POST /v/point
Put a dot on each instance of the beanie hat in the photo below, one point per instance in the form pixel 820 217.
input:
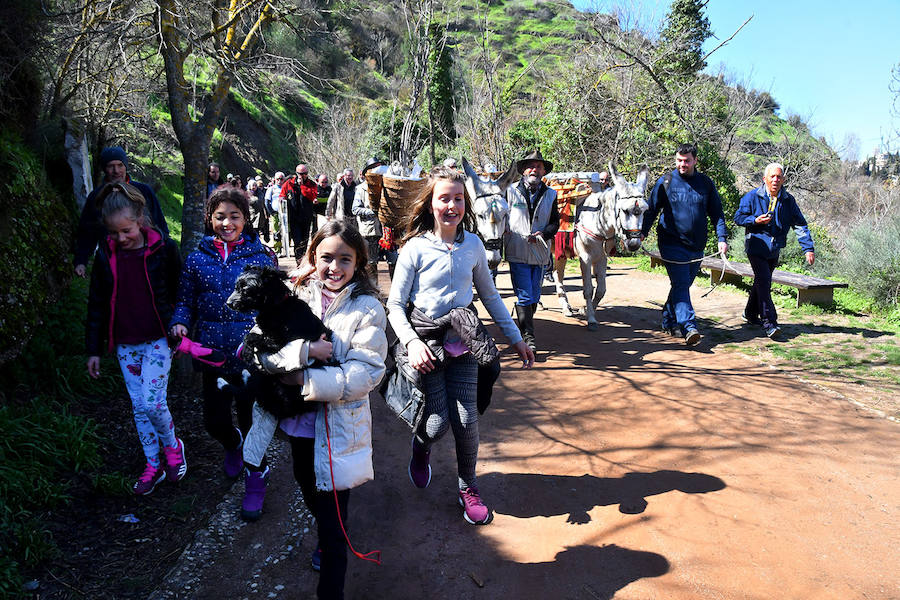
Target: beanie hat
pixel 112 153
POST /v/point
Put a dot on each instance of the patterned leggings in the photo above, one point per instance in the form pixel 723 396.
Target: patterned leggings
pixel 146 370
pixel 450 403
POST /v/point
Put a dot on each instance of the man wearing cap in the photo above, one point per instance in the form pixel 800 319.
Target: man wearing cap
pixel 684 199
pixel 299 193
pixel 91 230
pixel 533 222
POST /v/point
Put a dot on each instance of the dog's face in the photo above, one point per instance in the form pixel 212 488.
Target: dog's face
pixel 256 288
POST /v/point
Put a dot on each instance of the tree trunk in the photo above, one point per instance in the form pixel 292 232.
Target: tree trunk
pixel 196 157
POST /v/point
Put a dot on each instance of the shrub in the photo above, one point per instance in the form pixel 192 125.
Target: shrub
pixel 871 260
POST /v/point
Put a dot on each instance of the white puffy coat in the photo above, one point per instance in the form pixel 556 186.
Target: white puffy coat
pixel 360 346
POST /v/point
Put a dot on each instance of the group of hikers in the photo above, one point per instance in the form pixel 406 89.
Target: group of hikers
pixel 146 304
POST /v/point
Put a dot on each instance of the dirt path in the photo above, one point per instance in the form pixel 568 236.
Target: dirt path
pixel 624 465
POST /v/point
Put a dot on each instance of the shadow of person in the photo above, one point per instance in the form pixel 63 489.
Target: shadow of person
pixel 526 495
pixel 587 572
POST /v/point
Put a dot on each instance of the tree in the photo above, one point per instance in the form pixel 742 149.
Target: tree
pixel 441 103
pixel 682 37
pixel 225 37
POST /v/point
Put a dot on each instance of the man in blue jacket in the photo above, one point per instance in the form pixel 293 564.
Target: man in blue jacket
pixel 91 230
pixel 767 213
pixel 684 199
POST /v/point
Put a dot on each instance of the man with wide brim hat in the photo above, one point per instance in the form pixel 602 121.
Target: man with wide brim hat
pixel 533 222
pixel 534 156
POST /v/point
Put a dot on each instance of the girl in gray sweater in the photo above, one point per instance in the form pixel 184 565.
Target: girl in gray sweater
pixel 437 267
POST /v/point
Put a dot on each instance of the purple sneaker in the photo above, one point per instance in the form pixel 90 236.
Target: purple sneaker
pixel 234 459
pixel 146 483
pixel 255 483
pixel 176 463
pixel 419 469
pixel 474 510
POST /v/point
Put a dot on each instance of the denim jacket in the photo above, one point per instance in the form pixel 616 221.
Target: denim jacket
pixel 767 240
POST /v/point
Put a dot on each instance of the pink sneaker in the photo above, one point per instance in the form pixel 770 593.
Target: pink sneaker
pixel 474 510
pixel 146 483
pixel 176 464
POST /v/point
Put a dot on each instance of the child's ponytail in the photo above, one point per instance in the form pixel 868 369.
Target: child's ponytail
pixel 116 197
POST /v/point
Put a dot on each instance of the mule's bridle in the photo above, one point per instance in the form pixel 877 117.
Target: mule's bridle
pixel 493 243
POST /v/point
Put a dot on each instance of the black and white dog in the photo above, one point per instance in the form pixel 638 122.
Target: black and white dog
pixel 281 318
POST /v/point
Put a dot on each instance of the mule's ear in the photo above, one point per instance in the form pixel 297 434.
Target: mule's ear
pixel 508 178
pixel 642 177
pixel 614 173
pixel 473 182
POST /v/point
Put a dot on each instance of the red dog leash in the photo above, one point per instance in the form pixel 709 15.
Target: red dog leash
pixel 366 556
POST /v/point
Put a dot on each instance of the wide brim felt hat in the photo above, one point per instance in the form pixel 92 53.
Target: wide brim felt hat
pixel 535 155
pixel 372 162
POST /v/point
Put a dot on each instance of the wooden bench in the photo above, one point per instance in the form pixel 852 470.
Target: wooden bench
pixel 810 290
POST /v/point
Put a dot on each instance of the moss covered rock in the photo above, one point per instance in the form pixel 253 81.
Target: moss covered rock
pixel 36 229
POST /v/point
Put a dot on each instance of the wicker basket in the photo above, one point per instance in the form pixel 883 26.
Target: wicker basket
pixel 373 183
pixel 397 196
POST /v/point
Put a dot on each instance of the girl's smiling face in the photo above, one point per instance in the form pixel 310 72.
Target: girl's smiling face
pixel 335 263
pixel 228 222
pixel 125 230
pixel 448 205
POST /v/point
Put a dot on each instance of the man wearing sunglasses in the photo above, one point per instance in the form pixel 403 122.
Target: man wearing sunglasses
pixel 299 194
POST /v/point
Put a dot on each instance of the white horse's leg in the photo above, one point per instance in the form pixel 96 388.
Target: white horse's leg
pixel 588 292
pixel 600 274
pixel 559 275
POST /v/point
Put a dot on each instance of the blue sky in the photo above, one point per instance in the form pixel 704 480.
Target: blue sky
pixel 829 62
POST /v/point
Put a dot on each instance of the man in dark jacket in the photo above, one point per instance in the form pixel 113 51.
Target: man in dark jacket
pixel 91 230
pixel 767 213
pixel 299 193
pixel 684 199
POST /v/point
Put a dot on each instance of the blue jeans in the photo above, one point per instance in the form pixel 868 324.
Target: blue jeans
pixel 678 310
pixel 526 282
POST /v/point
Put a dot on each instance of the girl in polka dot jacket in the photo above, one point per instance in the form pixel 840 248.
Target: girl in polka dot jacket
pixel 206 282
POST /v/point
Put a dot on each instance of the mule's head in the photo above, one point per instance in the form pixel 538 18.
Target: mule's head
pixel 627 201
pixel 490 207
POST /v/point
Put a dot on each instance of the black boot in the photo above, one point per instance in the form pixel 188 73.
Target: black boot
pixel 524 316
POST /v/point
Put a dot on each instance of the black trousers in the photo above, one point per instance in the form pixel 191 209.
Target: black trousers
pixel 217 410
pixel 299 230
pixel 759 304
pixel 323 508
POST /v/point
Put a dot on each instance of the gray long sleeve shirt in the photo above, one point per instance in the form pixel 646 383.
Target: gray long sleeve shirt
pixel 436 279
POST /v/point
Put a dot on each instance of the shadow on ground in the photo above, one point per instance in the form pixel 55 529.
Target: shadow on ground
pixel 526 495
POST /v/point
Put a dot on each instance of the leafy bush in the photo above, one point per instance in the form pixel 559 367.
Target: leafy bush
pixel 871 260
pixel 53 361
pixel 41 442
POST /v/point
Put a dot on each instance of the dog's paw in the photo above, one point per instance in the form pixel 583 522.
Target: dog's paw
pixel 245 375
pixel 221 383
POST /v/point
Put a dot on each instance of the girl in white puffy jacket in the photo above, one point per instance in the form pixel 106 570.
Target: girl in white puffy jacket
pixel 331 446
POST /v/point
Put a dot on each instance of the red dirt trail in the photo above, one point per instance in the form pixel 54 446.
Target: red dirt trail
pixel 624 465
